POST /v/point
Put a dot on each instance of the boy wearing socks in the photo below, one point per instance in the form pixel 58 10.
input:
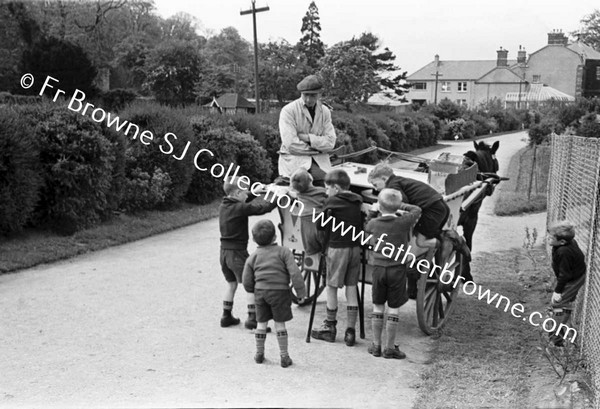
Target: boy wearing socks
pixel 343 254
pixel 389 275
pixel 233 225
pixel 267 274
pixel 312 197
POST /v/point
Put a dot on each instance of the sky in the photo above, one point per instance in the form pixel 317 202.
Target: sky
pixel 415 30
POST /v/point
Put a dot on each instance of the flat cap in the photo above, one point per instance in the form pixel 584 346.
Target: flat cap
pixel 310 84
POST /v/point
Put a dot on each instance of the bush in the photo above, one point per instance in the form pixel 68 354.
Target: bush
pixel 228 146
pixel 117 99
pixel 76 160
pixel 142 158
pixel 539 133
pixel 589 128
pixel 20 178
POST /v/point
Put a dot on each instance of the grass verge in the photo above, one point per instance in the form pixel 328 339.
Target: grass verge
pixel 526 190
pixel 33 247
pixel 485 357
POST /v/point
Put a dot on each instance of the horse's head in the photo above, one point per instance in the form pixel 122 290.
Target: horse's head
pixel 484 156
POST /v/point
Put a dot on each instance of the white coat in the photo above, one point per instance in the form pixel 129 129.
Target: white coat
pixel 294 154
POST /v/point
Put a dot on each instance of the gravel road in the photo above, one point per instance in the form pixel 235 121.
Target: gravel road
pixel 138 326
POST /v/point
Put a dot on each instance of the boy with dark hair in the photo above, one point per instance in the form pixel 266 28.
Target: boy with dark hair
pixel 389 274
pixel 233 225
pixel 343 255
pixel 434 210
pixel 313 240
pixel 267 275
pixel 568 264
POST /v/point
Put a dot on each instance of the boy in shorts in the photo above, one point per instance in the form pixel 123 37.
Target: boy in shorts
pixel 568 264
pixel 312 198
pixel 233 225
pixel 434 210
pixel 267 275
pixel 389 274
pixel 343 254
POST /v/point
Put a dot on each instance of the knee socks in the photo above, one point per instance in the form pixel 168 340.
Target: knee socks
pixel 227 307
pixel 391 327
pixel 282 340
pixel 352 311
pixel 377 326
pixel 331 314
pixel 252 311
pixel 260 335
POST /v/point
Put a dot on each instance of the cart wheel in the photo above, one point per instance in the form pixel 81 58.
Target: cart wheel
pixel 435 299
pixel 309 277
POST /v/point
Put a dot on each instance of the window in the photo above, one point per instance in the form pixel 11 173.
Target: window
pixel 537 79
pixel 598 73
pixel 462 86
pixel 420 85
pixel 461 102
pixel 446 86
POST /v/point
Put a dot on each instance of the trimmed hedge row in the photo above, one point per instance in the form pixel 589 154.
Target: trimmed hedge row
pixel 63 170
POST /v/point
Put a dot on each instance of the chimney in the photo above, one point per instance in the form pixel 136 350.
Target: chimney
pixel 437 60
pixel 502 58
pixel 521 56
pixel 557 37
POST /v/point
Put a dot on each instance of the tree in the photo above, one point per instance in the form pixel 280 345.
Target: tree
pixel 173 69
pixel 62 60
pixel 590 30
pixel 280 70
pixel 383 64
pixel 228 67
pixel 310 45
pixel 348 74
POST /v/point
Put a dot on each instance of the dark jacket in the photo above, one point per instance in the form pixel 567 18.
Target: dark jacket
pixel 272 267
pixel 233 220
pixel 398 233
pixel 568 263
pixel 414 191
pixel 343 207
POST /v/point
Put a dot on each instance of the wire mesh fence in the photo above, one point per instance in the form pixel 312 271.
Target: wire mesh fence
pixel 574 195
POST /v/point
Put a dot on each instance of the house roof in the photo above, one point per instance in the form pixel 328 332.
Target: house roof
pixel 232 100
pixel 585 50
pixel 500 75
pixel 455 70
pixel 539 93
pixel 381 99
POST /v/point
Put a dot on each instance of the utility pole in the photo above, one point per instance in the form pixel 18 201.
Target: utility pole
pixel 437 75
pixel 254 10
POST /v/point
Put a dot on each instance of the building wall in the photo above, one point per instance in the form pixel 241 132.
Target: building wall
pixel 557 67
pixel 453 94
pixel 486 92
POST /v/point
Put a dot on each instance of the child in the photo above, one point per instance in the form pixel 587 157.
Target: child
pixel 267 275
pixel 389 275
pixel 434 210
pixel 343 254
pixel 568 263
pixel 312 197
pixel 233 225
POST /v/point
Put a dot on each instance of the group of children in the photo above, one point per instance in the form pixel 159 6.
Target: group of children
pixel 403 204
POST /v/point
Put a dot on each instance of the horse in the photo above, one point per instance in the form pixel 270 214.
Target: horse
pixel 485 157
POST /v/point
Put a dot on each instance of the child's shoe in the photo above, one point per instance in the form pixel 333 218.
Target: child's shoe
pixel 227 320
pixel 393 353
pixel 326 332
pixel 375 350
pixel 285 361
pixel 251 322
pixel 350 337
pixel 259 358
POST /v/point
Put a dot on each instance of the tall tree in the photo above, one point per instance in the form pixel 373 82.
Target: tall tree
pixel 348 74
pixel 590 30
pixel 280 70
pixel 310 45
pixel 383 63
pixel 174 68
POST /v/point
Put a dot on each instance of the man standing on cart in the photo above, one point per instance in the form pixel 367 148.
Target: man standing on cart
pixel 307 133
